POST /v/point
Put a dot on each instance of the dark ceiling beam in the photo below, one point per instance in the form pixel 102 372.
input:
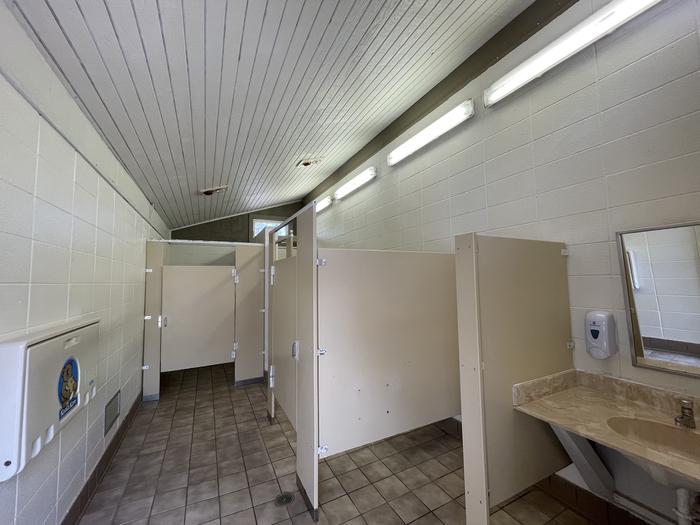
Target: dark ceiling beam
pixel 517 31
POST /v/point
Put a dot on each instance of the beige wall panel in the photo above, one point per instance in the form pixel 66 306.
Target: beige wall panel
pixel 155 252
pixel 524 315
pixel 249 316
pixel 283 322
pixel 307 369
pixel 199 304
pixel 471 385
pixel 389 322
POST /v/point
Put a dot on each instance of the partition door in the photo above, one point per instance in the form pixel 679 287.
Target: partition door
pixel 307 372
pixel 284 335
pixel 293 337
pixel 198 316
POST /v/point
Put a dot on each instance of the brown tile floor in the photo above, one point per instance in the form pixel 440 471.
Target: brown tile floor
pixel 206 454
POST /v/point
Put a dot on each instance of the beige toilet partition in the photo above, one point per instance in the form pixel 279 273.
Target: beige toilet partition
pixel 375 333
pixel 514 326
pixel 249 313
pixel 388 324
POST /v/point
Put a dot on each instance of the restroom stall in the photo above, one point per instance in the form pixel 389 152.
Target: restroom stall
pixel 514 326
pixel 386 356
pixel 203 307
pixel 293 373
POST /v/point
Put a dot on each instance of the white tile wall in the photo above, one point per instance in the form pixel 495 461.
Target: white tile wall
pixel 70 246
pixel 668 267
pixel 608 141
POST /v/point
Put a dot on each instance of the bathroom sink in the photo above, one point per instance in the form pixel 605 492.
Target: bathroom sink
pixel 660 437
pixel 665 439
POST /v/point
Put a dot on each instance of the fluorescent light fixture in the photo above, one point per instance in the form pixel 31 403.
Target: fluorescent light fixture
pixel 323 203
pixel 593 28
pixel 441 126
pixel 359 180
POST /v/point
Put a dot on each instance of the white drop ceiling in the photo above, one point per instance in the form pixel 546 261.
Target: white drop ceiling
pixel 192 93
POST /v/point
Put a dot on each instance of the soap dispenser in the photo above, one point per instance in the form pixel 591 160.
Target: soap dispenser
pixel 601 341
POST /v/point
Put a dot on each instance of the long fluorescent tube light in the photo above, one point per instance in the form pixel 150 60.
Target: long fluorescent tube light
pixel 323 203
pixel 441 126
pixel 354 183
pixel 593 28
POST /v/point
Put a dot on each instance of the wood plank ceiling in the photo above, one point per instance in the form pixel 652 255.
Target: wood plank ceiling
pixel 192 94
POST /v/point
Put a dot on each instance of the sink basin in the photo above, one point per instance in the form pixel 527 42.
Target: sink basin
pixel 668 439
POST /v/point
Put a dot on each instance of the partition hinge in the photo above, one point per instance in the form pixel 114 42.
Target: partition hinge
pixel 570 345
pixel 149 270
pixel 271 376
pixel 321 262
pixel 236 276
pixel 272 275
pixel 322 351
pixel 323 449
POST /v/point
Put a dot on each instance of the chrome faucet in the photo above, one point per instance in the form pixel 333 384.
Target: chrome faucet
pixel 687 417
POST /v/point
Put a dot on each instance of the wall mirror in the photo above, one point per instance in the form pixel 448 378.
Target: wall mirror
pixel 662 293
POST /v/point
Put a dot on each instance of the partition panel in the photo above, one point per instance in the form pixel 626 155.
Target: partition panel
pixel 198 316
pixel 525 328
pixel 284 333
pixel 388 321
pixel 249 312
pixel 307 385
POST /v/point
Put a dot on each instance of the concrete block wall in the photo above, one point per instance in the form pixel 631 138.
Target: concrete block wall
pixel 608 141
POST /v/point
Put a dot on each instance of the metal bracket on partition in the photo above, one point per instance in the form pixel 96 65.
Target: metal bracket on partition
pixel 323 449
pixel 321 262
pixel 146 317
pixel 236 276
pixel 272 275
pixel 570 345
pixel 322 351
pixel 146 367
pixel 149 270
pixel 295 350
pixel 271 376
pixel 564 252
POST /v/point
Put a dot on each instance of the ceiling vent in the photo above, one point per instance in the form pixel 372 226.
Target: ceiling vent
pixel 305 163
pixel 215 189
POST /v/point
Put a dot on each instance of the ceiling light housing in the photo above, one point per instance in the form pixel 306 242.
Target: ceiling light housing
pixel 323 203
pixel 441 126
pixel 211 191
pixel 358 180
pixel 593 28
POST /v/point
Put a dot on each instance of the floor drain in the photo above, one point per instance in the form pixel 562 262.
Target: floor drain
pixel 284 499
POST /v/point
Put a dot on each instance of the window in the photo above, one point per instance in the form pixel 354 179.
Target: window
pixel 260 224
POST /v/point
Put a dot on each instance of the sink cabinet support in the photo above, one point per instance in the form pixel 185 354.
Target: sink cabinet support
pixel 588 463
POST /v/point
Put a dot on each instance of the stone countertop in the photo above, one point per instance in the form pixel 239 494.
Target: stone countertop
pixel 585 410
